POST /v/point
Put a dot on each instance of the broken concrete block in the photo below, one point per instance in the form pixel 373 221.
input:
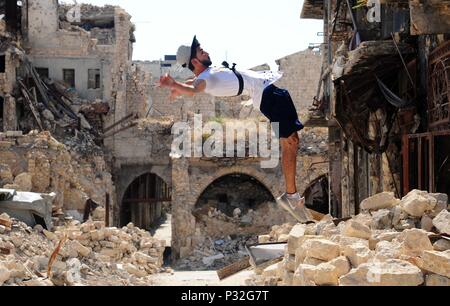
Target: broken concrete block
pixel 436 262
pixel 327 229
pixel 417 202
pixel 356 229
pixel 304 276
pixel 442 203
pixel 263 238
pixel 24 182
pixel 289 262
pixel 13 134
pixel 357 253
pixel 426 223
pixel 73 275
pixel 442 222
pixel 437 280
pixel 386 250
pixel 393 272
pixel 414 242
pixel 132 269
pixel 342 265
pixel 380 201
pixel 321 249
pixel 364 218
pixel 300 253
pixel 387 236
pixel 381 219
pixel 17 269
pixel 313 261
pixel 325 275
pixel 295 238
pixel 328 274
pixel 271 271
pixel 4 274
pixel 344 241
pixel 441 245
pixel 82 250
pixel 397 216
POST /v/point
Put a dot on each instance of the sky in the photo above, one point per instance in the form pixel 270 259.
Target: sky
pixel 246 32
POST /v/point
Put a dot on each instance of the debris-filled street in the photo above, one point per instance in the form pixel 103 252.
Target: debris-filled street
pixel 121 171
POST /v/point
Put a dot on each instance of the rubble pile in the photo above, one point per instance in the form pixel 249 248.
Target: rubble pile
pixel 58 109
pixel 392 242
pixel 91 254
pixel 216 254
pixel 314 141
pixel 37 162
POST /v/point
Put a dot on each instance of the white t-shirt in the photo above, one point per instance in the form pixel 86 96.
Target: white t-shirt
pixel 222 82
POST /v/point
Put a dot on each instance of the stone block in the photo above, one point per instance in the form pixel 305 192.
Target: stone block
pixel 442 222
pixel 356 229
pixel 380 201
pixel 392 272
pixel 436 262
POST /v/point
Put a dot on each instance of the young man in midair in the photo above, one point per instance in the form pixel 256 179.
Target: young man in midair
pixel 275 103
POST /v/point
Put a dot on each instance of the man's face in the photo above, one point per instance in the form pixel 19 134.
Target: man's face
pixel 203 57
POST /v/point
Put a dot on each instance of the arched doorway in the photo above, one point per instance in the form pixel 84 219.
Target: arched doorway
pixel 144 201
pixel 236 204
pixel 235 191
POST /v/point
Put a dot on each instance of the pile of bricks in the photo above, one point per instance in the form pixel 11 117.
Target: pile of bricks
pixel 392 242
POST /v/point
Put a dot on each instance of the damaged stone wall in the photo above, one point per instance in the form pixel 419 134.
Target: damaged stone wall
pixel 38 163
pixel 301 75
pixel 7 82
pixel 138 91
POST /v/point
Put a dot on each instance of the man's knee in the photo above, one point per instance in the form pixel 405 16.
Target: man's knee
pixel 292 142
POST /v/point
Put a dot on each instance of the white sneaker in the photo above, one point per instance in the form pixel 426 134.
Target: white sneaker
pixel 299 212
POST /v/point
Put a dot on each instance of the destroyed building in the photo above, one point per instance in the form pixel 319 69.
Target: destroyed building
pixel 83 120
pixel 384 96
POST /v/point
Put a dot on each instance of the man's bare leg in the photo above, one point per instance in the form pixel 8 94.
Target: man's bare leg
pixel 289 149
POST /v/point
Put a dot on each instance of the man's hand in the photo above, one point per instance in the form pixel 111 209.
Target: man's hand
pixel 166 81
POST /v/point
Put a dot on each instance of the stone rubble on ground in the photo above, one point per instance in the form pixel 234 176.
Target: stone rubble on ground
pixel 92 255
pixel 392 242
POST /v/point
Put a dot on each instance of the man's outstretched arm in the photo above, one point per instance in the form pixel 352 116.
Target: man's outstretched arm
pixel 182 88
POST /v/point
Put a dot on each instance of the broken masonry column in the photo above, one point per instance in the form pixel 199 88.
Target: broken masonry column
pixel 183 222
pixel 9 114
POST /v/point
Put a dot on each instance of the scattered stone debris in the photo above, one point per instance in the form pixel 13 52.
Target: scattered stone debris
pixel 216 254
pixel 92 255
pixel 385 245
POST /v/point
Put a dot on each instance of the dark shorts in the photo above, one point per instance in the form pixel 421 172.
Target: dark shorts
pixel 277 106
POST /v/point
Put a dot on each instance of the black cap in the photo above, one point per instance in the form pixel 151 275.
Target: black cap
pixel 194 46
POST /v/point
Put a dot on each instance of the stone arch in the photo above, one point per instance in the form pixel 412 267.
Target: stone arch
pixel 235 188
pixel 142 200
pixel 261 177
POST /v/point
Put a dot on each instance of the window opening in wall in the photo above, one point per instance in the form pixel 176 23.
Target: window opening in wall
pixel 93 78
pixel 69 77
pixel 2 63
pixel 43 72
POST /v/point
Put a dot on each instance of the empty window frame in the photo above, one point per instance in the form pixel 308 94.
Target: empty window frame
pixel 69 77
pixel 43 72
pixel 94 79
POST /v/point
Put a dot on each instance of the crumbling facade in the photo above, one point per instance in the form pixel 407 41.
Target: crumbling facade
pixel 77 81
pixel 385 97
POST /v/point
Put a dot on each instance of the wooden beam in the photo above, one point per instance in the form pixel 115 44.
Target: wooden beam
pixel 234 268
